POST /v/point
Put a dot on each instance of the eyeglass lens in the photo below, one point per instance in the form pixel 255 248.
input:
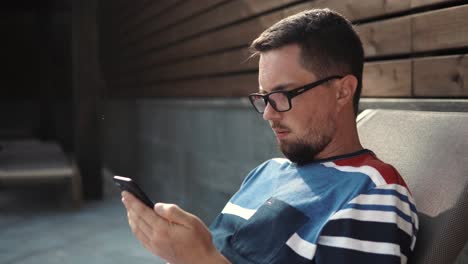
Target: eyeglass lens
pixel 258 103
pixel 278 101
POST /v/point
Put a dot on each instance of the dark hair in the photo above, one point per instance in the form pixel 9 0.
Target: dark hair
pixel 329 44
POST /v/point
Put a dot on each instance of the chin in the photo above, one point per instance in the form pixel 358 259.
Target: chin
pixel 302 153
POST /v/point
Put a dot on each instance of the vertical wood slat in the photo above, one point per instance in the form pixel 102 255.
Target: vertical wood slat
pixel 87 84
pixel 445 76
pixel 441 29
pixel 436 30
pixel 389 79
pixel 392 36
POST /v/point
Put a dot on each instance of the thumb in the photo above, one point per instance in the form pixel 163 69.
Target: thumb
pixel 173 213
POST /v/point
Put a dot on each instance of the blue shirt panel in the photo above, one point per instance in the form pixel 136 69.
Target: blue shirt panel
pixel 314 189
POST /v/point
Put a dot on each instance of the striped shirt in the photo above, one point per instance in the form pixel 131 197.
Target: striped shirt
pixel 348 209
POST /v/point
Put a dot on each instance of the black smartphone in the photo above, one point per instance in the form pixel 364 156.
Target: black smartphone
pixel 127 184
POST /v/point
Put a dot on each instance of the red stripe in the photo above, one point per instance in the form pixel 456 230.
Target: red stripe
pixel 388 172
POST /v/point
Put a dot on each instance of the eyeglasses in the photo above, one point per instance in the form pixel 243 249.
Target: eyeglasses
pixel 281 100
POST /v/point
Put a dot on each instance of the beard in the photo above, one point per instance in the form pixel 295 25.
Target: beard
pixel 301 152
pixel 304 150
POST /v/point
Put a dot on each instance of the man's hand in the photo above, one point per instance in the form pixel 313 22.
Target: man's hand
pixel 171 233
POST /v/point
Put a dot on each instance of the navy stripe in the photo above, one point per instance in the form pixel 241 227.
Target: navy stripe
pixel 402 197
pixel 386 208
pixel 326 254
pixel 369 231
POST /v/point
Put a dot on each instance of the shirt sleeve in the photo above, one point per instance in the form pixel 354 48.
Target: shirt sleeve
pixel 379 226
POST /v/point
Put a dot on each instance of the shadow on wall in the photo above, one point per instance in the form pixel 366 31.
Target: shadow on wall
pixel 191 152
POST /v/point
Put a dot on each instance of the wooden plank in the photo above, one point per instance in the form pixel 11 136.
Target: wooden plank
pixel 243 33
pixel 357 9
pixel 222 15
pixel 445 76
pixel 228 86
pixel 152 20
pixel 389 37
pixel 131 9
pixel 441 29
pixel 221 63
pixel 235 36
pixel 387 79
pixel 153 9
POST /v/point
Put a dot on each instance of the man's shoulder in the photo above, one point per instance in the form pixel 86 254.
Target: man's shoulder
pixel 273 164
pixel 380 172
pixel 265 168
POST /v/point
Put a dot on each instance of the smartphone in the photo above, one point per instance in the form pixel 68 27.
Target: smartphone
pixel 127 184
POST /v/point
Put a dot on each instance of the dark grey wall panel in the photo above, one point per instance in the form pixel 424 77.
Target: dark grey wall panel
pixel 191 152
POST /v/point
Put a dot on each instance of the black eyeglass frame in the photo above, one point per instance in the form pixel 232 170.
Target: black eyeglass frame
pixel 289 94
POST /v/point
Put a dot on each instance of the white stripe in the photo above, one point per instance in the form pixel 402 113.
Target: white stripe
pixel 413 242
pixel 403 259
pixel 397 187
pixel 280 160
pixel 374 216
pixel 374 174
pixel 234 209
pixel 360 245
pixel 382 199
pixel 302 247
pixel 403 191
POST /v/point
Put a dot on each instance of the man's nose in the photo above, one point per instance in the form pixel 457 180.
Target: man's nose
pixel 270 113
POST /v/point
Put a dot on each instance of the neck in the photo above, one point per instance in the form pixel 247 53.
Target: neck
pixel 345 140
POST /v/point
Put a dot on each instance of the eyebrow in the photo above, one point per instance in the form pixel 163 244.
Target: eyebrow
pixel 280 87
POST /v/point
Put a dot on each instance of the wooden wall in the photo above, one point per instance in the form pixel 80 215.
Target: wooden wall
pixel 198 48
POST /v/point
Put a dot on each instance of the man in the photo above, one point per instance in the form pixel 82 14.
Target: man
pixel 330 201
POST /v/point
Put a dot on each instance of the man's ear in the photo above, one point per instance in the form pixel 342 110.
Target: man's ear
pixel 346 89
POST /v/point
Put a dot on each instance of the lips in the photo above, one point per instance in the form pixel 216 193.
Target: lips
pixel 280 133
pixel 280 130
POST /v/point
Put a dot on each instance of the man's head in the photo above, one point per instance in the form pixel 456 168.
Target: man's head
pixel 299 50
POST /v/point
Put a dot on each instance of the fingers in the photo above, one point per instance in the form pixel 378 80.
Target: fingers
pixel 145 239
pixel 140 235
pixel 141 220
pixel 139 215
pixel 140 209
pixel 174 214
pixel 138 223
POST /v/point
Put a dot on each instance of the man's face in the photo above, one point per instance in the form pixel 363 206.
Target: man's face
pixel 306 129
